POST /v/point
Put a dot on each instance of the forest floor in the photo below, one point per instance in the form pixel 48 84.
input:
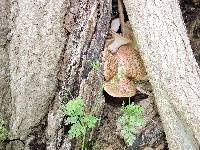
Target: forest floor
pixel 151 135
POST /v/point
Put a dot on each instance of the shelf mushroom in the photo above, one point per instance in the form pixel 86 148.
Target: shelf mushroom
pixel 122 65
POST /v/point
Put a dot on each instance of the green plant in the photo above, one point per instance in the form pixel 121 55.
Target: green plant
pixel 94 145
pixel 117 78
pixel 95 65
pixel 80 121
pixel 3 130
pixel 131 117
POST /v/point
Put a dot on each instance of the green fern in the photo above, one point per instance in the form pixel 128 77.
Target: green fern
pixel 131 117
pixel 76 117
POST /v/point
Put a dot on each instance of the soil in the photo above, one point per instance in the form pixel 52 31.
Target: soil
pixel 151 135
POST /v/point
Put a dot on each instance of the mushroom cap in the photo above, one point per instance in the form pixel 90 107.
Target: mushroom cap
pixel 123 87
pixel 131 61
pixel 110 65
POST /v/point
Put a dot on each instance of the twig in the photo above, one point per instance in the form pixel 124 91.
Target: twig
pixel 121 15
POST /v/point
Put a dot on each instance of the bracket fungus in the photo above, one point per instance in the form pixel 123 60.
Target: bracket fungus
pixel 122 65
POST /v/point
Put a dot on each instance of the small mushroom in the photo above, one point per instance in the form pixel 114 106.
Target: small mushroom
pixel 120 88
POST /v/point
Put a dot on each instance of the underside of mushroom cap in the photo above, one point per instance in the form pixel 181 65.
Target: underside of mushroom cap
pixel 120 87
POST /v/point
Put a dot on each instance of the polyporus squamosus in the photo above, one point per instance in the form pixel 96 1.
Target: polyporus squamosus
pixel 122 65
pixel 120 88
pixel 130 59
pixel 110 65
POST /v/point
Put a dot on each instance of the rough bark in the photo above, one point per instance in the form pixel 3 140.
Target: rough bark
pixel 49 63
pixel 86 24
pixel 37 39
pixel 4 60
pixel 5 97
pixel 32 38
pixel 171 67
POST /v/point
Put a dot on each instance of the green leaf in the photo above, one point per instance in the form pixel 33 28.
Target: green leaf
pixel 123 119
pixel 128 134
pixel 131 117
pixel 3 133
pixel 71 120
pixel 76 130
pixel 74 107
pixel 90 120
pixel 95 65
pixel 77 118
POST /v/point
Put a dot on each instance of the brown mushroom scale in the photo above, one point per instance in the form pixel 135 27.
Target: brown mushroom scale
pixel 133 64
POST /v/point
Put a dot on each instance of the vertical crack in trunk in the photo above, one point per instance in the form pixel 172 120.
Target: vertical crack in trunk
pixel 85 42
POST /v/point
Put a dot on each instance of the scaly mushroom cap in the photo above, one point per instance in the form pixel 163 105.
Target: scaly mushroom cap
pixel 132 62
pixel 120 88
pixel 110 65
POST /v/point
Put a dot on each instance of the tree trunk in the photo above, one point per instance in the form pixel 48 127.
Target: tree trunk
pixel 5 97
pixel 171 68
pixel 45 62
pixel 48 61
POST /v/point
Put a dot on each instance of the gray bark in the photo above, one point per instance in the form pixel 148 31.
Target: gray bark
pixel 44 60
pixel 84 45
pixel 5 97
pixel 37 39
pixel 171 68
